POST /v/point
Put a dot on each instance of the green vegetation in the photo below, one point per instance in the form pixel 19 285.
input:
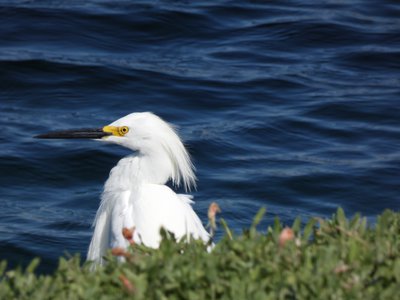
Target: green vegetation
pixel 324 259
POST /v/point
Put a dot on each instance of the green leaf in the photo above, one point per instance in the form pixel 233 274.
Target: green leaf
pixel 308 229
pixel 257 219
pixel 33 265
pixel 296 225
pixel 341 218
pixel 226 228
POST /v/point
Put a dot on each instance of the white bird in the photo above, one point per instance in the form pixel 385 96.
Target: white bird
pixel 135 194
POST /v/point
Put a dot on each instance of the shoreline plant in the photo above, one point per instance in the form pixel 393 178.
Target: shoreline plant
pixel 335 258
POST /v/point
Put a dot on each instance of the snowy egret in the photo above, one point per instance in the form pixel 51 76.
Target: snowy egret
pixel 135 194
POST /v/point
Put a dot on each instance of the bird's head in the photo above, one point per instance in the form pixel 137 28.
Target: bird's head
pixel 146 133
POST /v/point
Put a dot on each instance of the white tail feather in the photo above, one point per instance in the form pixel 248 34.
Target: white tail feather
pixel 101 236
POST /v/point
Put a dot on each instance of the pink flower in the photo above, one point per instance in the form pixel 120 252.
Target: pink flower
pixel 286 235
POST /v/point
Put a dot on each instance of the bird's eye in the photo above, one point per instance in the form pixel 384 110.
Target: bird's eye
pixel 123 130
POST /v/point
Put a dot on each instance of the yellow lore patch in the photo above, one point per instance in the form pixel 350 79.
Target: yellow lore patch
pixel 117 131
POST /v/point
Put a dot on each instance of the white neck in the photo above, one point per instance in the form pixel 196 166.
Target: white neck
pixel 154 168
pixel 134 170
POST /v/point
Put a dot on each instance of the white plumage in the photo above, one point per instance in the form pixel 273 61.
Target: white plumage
pixel 135 194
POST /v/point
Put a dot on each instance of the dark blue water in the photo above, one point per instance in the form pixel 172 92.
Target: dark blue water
pixel 291 105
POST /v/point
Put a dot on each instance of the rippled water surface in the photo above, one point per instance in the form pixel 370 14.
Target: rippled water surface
pixel 291 105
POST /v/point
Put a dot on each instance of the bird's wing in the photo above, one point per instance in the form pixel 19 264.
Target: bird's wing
pixel 158 206
pixel 113 214
pixel 194 226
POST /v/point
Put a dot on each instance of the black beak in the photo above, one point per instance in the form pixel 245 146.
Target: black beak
pixel 75 134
